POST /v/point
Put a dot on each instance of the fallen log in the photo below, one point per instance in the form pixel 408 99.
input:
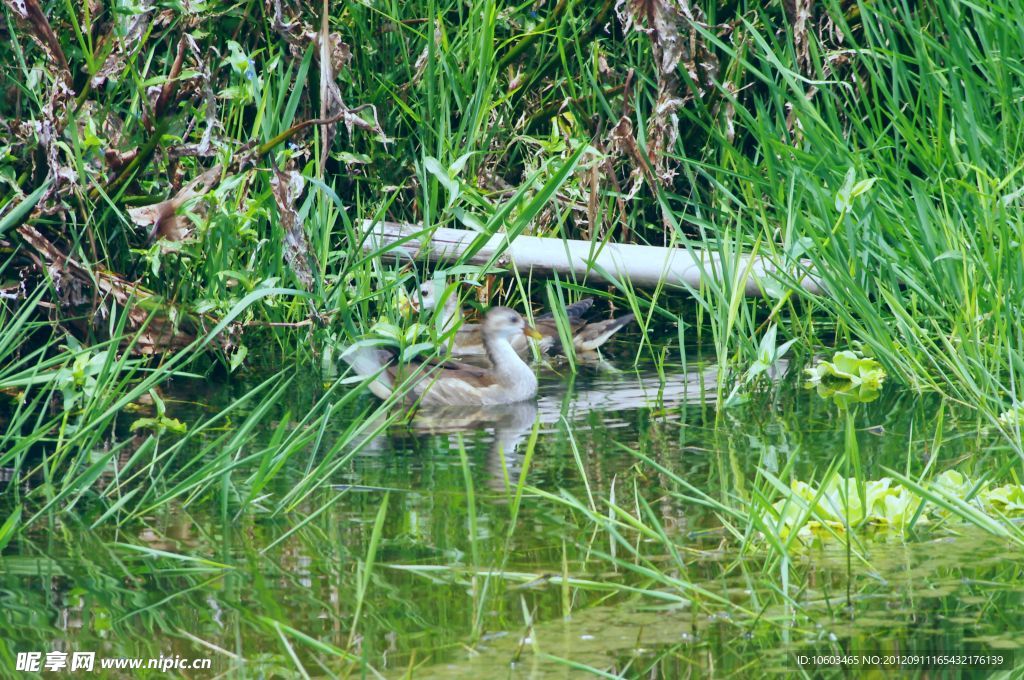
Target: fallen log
pixel 643 266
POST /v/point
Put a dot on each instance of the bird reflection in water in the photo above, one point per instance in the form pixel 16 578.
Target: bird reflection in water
pixel 509 425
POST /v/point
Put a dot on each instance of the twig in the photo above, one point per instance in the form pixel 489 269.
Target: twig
pixel 141 159
pixel 265 148
pixel 171 86
pixel 565 103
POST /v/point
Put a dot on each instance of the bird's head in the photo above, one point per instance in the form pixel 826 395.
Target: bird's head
pixel 506 323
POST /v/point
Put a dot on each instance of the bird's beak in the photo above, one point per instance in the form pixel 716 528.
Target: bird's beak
pixel 532 332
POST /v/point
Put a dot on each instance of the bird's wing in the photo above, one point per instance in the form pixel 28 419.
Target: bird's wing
pixel 449 389
pixel 549 329
pixel 594 335
pixel 468 340
pixel 367 361
pixel 574 311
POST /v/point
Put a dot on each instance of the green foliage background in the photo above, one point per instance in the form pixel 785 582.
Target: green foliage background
pixel 465 112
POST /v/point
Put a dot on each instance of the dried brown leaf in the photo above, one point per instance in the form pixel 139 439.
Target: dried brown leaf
pixel 339 51
pixel 287 187
pixel 671 27
pixel 163 217
pixel 726 111
pixel 171 84
pixel 204 79
pixel 622 138
pixel 331 103
pixel 48 131
pixel 30 14
pixel 158 328
pixel 50 126
pixel 127 39
pixel 332 56
pixel 799 12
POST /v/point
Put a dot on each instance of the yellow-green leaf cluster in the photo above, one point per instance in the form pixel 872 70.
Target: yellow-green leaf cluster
pixel 828 510
pixel 849 378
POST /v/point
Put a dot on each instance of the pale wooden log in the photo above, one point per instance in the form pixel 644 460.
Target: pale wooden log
pixel 643 266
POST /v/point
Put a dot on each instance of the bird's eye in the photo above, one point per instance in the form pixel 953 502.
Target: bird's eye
pixel 425 293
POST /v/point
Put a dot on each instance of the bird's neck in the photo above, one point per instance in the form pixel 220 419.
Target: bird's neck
pixel 509 368
pixel 449 321
pixel 452 315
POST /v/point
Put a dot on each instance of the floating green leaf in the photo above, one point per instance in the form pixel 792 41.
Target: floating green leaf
pixel 849 378
pixel 826 511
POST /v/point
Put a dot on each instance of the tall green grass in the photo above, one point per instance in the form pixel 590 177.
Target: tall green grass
pixel 497 117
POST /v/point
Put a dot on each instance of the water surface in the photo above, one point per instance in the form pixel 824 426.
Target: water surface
pixel 475 574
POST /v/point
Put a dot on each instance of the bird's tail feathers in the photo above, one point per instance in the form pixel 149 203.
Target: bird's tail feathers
pixel 596 334
pixel 574 312
pixel 369 361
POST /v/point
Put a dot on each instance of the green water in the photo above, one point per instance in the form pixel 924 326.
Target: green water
pixel 468 578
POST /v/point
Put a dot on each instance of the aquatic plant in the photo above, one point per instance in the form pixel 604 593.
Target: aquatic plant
pixel 849 378
pixel 827 510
